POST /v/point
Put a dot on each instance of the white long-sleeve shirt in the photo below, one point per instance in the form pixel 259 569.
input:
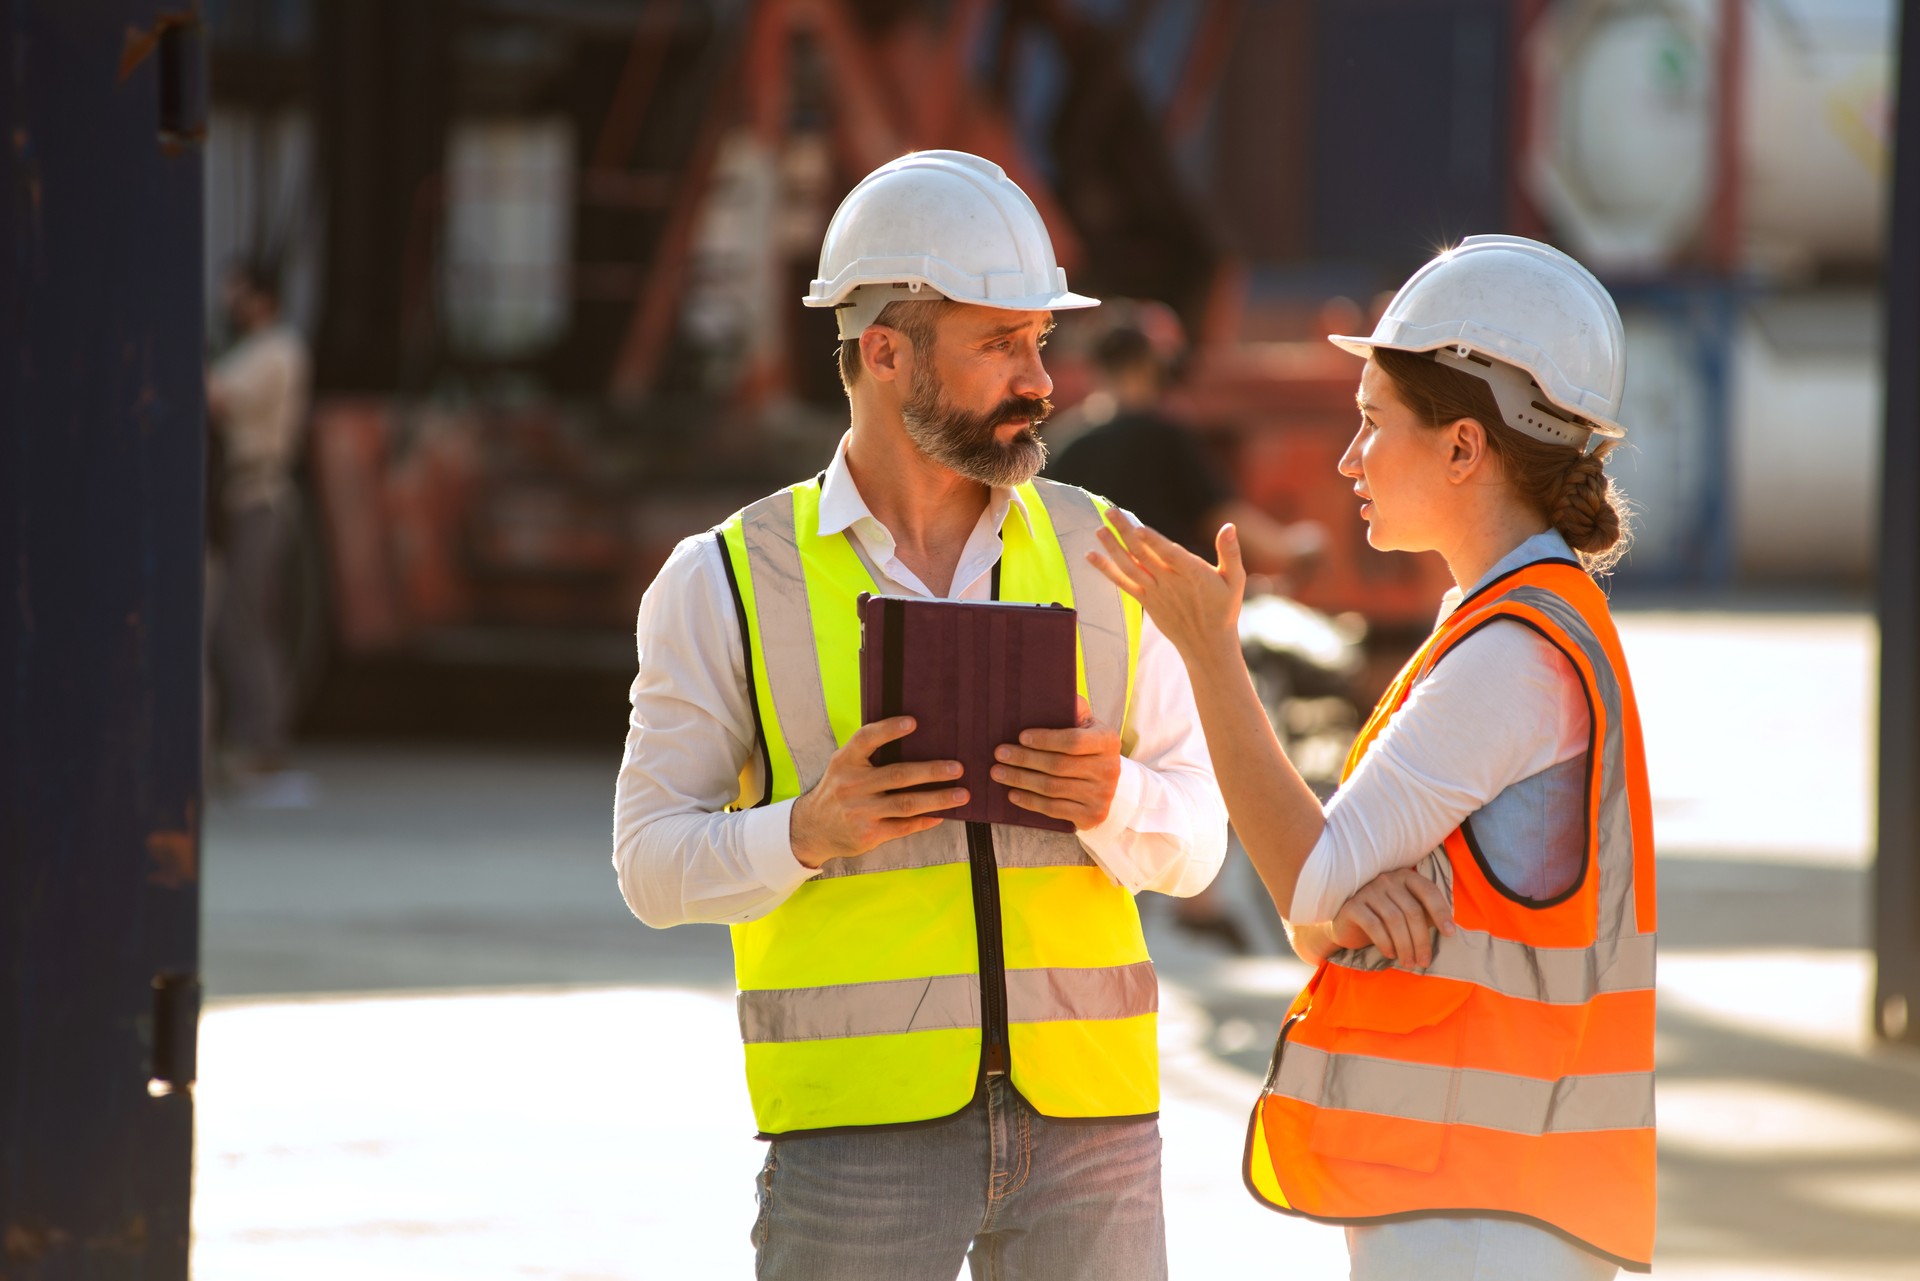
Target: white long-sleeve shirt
pixel 681 859
pixel 262 383
pixel 1503 706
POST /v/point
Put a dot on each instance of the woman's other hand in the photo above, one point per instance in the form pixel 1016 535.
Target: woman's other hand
pixel 1195 605
pixel 1397 912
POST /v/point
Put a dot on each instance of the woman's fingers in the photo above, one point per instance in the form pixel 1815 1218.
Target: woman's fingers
pixel 1372 926
pixel 1149 545
pixel 1114 574
pixel 1398 912
pixel 1419 928
pixel 1407 940
pixel 1124 555
pixel 1434 900
pixel 1226 546
pixel 1421 907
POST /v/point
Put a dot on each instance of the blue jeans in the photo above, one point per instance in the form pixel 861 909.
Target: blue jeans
pixel 1458 1248
pixel 999 1186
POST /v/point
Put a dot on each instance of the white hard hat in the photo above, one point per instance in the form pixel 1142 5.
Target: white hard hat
pixel 1526 319
pixel 940 220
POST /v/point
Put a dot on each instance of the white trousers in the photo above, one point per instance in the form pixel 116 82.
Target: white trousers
pixel 1465 1249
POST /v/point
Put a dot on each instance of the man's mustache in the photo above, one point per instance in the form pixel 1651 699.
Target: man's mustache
pixel 1032 409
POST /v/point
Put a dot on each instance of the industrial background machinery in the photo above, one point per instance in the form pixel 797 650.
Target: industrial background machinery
pixel 551 254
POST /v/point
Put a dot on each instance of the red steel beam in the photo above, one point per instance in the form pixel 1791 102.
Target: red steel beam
pixel 1212 42
pixel 651 327
pixel 620 131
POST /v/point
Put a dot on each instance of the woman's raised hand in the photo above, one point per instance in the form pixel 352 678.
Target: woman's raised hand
pixel 1196 605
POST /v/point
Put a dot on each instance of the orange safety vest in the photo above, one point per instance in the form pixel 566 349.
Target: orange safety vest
pixel 1515 1075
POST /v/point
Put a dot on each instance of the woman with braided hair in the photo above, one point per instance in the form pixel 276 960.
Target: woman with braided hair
pixel 1466 1084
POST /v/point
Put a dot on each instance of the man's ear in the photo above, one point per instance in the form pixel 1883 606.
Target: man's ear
pixel 884 351
pixel 1467 451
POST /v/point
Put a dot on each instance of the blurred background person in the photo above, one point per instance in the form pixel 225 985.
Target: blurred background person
pixel 1128 448
pixel 1132 451
pixel 257 402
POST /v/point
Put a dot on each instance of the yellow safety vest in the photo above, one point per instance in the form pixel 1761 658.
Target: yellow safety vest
pixel 886 987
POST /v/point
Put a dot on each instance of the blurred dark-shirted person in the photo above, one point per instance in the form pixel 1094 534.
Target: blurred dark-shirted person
pixel 257 399
pixel 1146 462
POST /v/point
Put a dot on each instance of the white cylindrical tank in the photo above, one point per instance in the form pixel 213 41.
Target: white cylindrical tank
pixel 1753 435
pixel 1806 422
pixel 1621 151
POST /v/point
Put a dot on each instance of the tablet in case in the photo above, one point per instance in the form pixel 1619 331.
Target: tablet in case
pixel 972 674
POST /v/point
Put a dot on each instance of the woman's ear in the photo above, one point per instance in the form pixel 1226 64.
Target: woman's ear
pixel 882 348
pixel 1467 452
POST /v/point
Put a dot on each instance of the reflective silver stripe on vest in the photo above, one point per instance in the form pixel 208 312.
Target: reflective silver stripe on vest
pixel 1466 1096
pixel 1102 615
pixel 1615 818
pixel 947 1001
pixel 780 604
pixel 1055 994
pixel 1550 975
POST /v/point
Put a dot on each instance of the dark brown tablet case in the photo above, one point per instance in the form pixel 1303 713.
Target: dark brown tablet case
pixel 973 674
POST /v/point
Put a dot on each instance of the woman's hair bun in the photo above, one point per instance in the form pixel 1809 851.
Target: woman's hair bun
pixel 1587 511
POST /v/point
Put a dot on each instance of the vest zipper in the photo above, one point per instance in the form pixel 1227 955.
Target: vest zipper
pixel 993 963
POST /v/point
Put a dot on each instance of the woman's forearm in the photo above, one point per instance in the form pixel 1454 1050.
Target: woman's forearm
pixel 1195 604
pixel 1275 813
pixel 1312 942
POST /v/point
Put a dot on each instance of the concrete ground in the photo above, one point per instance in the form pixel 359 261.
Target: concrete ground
pixel 437 1046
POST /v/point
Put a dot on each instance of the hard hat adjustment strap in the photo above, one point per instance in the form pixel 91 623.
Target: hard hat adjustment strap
pixel 864 305
pixel 1523 405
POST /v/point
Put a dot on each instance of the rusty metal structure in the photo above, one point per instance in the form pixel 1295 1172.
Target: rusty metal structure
pixel 100 567
pixel 474 492
pixel 556 512
pixel 551 253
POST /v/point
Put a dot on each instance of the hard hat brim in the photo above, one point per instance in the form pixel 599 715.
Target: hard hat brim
pixel 863 305
pixel 1363 348
pixel 836 293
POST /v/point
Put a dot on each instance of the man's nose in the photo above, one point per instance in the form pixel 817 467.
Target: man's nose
pixel 1031 378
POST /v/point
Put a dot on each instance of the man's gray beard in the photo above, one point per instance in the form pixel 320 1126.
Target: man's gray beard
pixel 965 443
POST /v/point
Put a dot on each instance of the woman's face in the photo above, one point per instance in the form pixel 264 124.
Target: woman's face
pixel 1399 469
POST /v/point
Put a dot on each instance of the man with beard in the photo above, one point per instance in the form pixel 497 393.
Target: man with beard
pixel 949 1028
